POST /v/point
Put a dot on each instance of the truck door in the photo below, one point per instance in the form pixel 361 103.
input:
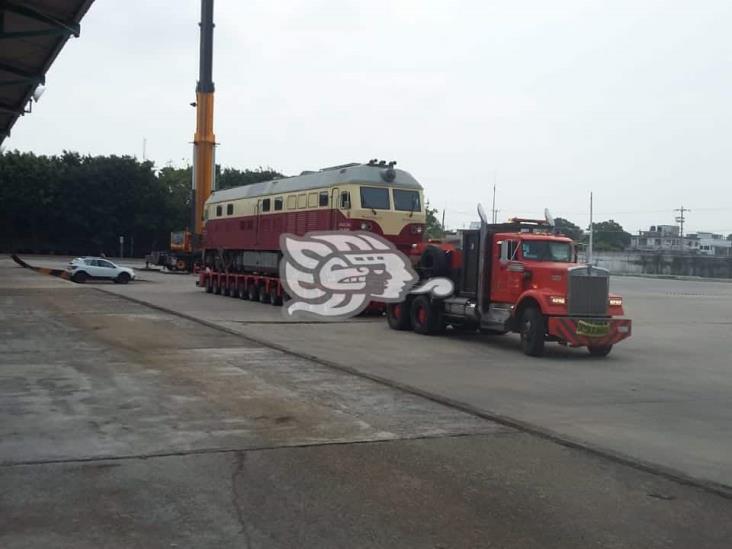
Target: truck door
pixel 507 274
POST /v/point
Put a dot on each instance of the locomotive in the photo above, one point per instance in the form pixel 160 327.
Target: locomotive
pixel 243 224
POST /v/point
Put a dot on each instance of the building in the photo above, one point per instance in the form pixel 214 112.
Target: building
pixel 668 238
pixel 707 243
pixel 658 237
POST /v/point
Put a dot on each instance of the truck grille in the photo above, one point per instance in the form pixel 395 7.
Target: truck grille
pixel 588 291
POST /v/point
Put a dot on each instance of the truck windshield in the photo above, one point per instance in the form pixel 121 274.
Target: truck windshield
pixel 546 250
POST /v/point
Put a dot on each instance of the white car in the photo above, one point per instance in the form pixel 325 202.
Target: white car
pixel 82 269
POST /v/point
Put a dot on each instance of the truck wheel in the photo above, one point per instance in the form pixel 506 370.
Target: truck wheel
pixel 274 298
pixel 252 291
pixel 397 315
pixel 426 317
pixel 80 277
pixel 209 284
pixel 263 294
pixel 216 286
pixel 241 291
pixel 533 330
pixel 600 351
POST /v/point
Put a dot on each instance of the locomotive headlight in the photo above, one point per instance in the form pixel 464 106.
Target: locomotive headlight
pixel 616 301
pixel 557 300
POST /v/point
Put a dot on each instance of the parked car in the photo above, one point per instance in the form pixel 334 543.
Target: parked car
pixel 82 269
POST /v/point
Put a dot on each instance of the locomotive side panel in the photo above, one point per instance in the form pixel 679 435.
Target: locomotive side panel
pixel 243 225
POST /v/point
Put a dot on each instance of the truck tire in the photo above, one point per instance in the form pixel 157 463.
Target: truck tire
pixel 426 316
pixel 241 291
pixel 600 351
pixel 533 331
pixel 252 291
pixel 398 315
pixel 263 294
pixel 209 284
pixel 216 286
pixel 434 262
pixel 274 298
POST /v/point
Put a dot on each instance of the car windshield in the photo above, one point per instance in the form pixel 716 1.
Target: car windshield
pixel 406 201
pixel 546 250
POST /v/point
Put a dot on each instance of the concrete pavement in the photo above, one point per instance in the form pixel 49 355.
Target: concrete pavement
pixel 124 426
pixel 662 398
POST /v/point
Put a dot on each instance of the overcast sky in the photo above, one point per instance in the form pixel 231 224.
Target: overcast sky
pixel 551 100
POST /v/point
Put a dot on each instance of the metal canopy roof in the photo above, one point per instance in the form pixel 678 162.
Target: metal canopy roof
pixel 32 33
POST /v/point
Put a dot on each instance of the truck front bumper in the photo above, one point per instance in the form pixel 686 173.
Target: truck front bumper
pixel 588 332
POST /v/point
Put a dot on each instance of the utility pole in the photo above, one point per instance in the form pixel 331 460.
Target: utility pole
pixel 680 220
pixel 493 209
pixel 443 219
pixel 589 248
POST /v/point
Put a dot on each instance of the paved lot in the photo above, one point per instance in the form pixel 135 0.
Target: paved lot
pixel 125 426
pixel 663 397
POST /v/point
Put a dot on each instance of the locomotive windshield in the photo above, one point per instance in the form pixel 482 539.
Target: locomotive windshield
pixel 375 197
pixel 406 201
pixel 546 250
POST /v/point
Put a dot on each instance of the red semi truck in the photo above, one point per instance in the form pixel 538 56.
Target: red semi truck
pixel 520 276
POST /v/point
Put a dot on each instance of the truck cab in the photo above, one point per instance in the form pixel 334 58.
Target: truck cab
pixel 522 277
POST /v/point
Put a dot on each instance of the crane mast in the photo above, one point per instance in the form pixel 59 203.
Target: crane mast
pixel 204 141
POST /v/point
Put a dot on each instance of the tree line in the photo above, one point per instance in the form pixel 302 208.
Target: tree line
pixel 73 204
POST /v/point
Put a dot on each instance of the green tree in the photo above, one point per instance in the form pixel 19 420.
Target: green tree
pixel 231 177
pixel 434 228
pixel 609 236
pixel 729 236
pixel 568 228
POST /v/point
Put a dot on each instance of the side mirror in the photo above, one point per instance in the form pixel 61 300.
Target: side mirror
pixel 504 250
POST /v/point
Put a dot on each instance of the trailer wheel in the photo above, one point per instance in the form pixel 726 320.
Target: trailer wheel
pixel 216 286
pixel 426 316
pixel 398 315
pixel 263 294
pixel 533 331
pixel 274 298
pixel 600 351
pixel 252 291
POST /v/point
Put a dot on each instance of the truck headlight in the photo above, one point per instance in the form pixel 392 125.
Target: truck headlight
pixel 616 301
pixel 366 226
pixel 557 300
pixel 417 229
